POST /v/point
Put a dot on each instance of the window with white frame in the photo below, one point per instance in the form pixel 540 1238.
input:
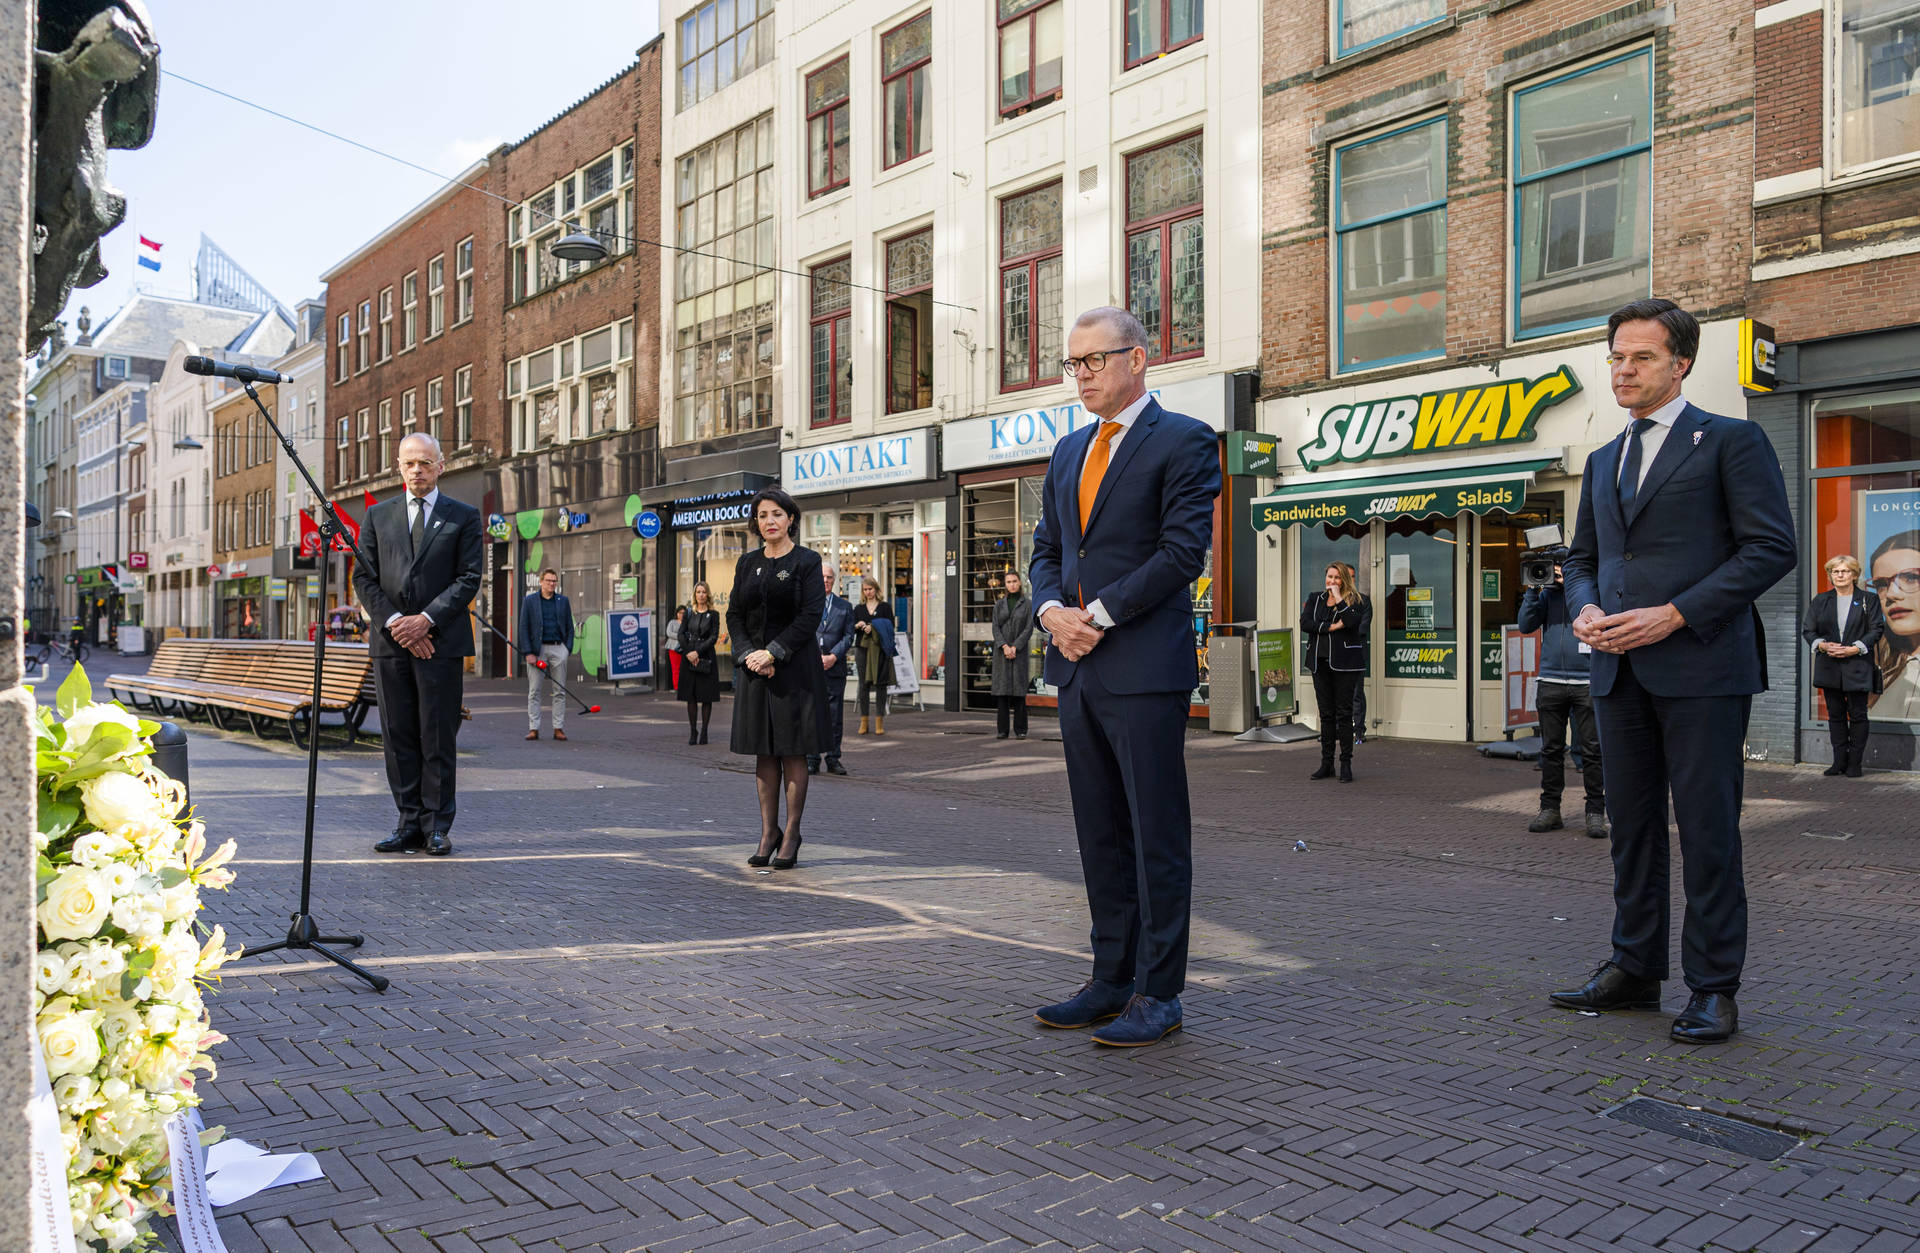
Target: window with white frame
pixel 596 198
pixel 1582 195
pixel 1876 67
pixel 1390 246
pixel 829 138
pixel 409 310
pixel 435 398
pixel 363 431
pixel 724 298
pixel 463 280
pixel 386 323
pixel 576 389
pixel 363 337
pixel 1359 24
pixel 463 406
pixel 1032 39
pixel 906 71
pixel 384 457
pixel 1157 27
pixel 409 412
pixel 343 350
pixel 721 42
pixel 1166 247
pixel 436 295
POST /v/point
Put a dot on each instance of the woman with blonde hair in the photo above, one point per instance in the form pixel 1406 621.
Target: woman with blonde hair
pixel 873 652
pixel 1843 624
pixel 1333 645
pixel 699 681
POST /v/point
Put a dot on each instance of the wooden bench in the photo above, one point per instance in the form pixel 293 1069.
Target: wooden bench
pixel 267 682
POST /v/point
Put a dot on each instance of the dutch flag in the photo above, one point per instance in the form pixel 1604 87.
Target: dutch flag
pixel 149 255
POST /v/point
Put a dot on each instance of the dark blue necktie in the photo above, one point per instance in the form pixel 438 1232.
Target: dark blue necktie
pixel 1630 466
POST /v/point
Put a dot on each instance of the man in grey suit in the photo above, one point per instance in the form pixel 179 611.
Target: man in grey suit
pixel 420 569
pixel 835 638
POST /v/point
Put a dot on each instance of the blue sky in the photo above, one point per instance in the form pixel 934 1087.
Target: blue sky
pixel 439 82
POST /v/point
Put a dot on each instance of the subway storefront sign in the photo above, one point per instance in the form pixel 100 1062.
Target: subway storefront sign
pixel 1450 420
pixel 1410 496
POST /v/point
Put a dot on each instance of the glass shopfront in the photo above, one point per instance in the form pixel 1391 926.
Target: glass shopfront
pixel 710 534
pixel 903 547
pixel 242 609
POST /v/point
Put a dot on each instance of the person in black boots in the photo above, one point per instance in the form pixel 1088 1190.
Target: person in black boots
pixel 1012 666
pixel 780 687
pixel 699 671
pixel 1565 696
pixel 1843 624
pixel 1333 634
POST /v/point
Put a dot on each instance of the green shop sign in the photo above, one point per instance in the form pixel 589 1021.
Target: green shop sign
pixel 1421 659
pixel 1504 487
pixel 1456 418
pixel 1273 655
pixel 1253 456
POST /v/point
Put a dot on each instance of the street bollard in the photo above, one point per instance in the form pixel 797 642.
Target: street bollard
pixel 170 754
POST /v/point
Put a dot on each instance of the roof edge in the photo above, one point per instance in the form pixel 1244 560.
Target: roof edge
pixel 458 183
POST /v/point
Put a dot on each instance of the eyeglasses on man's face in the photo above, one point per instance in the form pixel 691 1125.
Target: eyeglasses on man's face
pixel 1094 361
pixel 1638 360
pixel 1907 581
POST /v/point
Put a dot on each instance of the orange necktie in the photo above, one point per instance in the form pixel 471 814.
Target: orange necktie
pixel 1095 470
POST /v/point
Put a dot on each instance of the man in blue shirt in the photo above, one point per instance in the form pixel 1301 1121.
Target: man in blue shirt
pixel 546 634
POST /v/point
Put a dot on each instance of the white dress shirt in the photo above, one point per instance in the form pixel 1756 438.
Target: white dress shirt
pixel 1653 438
pixel 1126 418
pixel 425 504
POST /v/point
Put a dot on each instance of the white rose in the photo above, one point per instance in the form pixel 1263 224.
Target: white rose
pixel 77 903
pixel 71 1043
pixel 115 800
pixel 50 972
pixel 104 962
pixel 82 723
pixel 117 1027
pixel 73 1090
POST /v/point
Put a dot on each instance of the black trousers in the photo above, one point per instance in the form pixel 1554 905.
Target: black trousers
pixel 836 717
pixel 1689 746
pixel 1010 709
pixel 878 693
pixel 419 720
pixel 1559 703
pixel 1847 725
pixel 1127 773
pixel 1333 690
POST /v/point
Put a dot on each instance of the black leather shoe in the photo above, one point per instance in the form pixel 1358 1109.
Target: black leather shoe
pixel 1095 1002
pixel 1837 769
pixel 1709 1018
pixel 1324 772
pixel 401 841
pixel 813 765
pixel 1346 772
pixel 1611 988
pixel 834 766
pixel 439 844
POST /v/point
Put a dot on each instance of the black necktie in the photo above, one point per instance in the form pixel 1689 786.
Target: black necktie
pixel 1630 466
pixel 418 530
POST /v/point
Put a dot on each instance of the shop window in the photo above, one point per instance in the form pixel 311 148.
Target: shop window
pixel 1877 71
pixel 1390 246
pixel 709 555
pixel 1418 617
pixel 1362 23
pixel 1032 52
pixel 724 211
pixel 1866 504
pixel 828 138
pixel 1030 287
pixel 1502 539
pixel 910 322
pixel 1165 247
pixel 830 344
pixel 1582 195
pixel 1157 27
pixel 906 65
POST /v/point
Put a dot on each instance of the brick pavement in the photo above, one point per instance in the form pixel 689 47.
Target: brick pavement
pixel 607 1033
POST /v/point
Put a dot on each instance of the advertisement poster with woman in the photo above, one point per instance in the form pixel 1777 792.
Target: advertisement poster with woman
pixel 1890 548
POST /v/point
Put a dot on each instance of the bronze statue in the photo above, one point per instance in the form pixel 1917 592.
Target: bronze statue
pixel 96 84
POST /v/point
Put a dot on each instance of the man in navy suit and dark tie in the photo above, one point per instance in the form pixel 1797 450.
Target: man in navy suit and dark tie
pixel 1126 526
pixel 1683 524
pixel 835 639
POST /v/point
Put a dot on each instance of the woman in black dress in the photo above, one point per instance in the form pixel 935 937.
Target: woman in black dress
pixel 780 691
pixel 699 684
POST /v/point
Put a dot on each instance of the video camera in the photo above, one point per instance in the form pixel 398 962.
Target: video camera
pixel 1545 550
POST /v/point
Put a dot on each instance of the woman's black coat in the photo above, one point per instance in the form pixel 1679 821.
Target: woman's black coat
pixel 1864 625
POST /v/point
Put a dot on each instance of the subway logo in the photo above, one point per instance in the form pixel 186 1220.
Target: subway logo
pixel 1459 417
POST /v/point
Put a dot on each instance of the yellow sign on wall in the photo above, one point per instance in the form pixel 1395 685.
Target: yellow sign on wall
pixel 1502 412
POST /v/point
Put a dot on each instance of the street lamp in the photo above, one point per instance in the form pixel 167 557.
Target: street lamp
pixel 579 246
pixel 187 443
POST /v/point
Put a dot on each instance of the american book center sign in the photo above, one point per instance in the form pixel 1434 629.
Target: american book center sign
pixel 900 457
pixel 1450 420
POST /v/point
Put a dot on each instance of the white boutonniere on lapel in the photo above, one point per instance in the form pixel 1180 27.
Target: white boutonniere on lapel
pixel 1697 437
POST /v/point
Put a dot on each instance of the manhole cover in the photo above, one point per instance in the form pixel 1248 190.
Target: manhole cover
pixel 1702 1128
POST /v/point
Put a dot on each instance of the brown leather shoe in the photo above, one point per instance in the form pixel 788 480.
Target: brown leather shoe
pixel 534 734
pixel 558 734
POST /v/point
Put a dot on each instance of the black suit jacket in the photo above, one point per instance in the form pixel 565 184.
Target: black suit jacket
pixel 439 581
pixel 835 634
pixel 1709 531
pixel 1865 625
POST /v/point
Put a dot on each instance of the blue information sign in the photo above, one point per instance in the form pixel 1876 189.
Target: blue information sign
pixel 630 644
pixel 647 525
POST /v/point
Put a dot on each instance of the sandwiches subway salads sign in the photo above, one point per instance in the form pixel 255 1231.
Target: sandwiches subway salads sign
pixel 1501 412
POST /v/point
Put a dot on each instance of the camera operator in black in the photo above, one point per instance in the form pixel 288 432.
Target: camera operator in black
pixel 1563 694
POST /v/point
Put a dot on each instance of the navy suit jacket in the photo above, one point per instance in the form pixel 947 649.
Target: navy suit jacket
pixel 835 633
pixel 1709 531
pixel 1146 541
pixel 530 631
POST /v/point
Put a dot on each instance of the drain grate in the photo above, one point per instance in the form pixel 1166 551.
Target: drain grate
pixel 1709 1129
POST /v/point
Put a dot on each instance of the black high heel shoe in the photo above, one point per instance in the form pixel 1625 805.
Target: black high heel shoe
pixel 761 859
pixel 788 863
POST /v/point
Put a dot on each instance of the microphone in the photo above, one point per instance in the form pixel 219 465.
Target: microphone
pixel 239 373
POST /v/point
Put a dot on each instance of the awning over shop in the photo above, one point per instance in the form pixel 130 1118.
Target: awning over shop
pixel 1479 489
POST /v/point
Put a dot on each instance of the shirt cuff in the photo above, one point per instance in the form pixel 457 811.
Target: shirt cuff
pixel 1817 644
pixel 393 618
pixel 1042 611
pixel 1101 618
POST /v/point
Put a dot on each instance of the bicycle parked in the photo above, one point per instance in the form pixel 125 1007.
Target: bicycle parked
pixel 75 651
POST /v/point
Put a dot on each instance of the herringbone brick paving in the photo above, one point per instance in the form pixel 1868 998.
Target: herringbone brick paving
pixel 605 1032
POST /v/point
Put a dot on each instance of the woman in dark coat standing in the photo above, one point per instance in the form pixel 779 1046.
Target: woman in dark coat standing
pixel 1012 665
pixel 699 683
pixel 1843 624
pixel 873 653
pixel 780 692
pixel 1333 644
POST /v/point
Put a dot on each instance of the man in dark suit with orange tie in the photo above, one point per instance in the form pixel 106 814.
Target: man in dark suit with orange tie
pixel 1683 524
pixel 1126 527
pixel 420 571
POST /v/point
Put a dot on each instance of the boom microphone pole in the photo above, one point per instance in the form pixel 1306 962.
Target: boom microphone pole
pixel 585 708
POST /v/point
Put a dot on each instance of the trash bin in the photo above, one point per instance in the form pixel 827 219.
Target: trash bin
pixel 1231 704
pixel 170 753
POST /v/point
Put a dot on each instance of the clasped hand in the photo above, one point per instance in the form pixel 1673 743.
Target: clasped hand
pixel 414 633
pixel 1073 631
pixel 1628 629
pixel 1832 649
pixel 760 661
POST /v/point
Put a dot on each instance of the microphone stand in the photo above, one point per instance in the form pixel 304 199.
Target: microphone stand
pixel 305 932
pixel 483 617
